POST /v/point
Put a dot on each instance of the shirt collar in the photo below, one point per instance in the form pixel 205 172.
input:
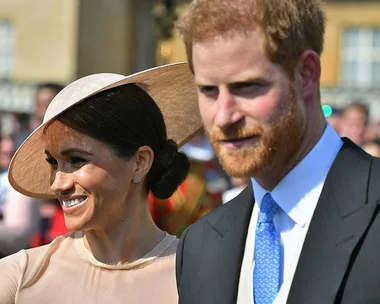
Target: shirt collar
pixel 298 192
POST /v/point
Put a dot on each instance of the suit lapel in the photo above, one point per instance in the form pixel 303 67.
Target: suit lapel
pixel 340 219
pixel 225 237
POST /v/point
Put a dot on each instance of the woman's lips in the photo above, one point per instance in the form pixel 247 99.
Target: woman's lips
pixel 74 208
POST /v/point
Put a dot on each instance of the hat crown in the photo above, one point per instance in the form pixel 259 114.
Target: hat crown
pixel 77 91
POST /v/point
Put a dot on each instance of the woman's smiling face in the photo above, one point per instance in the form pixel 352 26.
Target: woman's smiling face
pixel 91 182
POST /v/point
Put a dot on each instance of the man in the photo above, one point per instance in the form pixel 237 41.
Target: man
pixel 307 229
pixel 45 94
pixel 354 123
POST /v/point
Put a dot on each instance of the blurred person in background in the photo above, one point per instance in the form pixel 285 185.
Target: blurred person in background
pixel 6 153
pixel 19 214
pixel 7 149
pixel 23 128
pixel 372 148
pixel 200 193
pixel 44 95
pixel 52 222
pixel 354 123
pixel 372 144
pixel 238 185
pixel 27 222
pixel 45 92
pixel 334 117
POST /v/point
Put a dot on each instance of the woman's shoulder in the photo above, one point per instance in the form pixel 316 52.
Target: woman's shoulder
pixel 12 270
pixel 26 262
pixel 22 268
pixel 48 249
pixel 19 261
pixel 61 243
pixel 166 251
pixel 167 247
pixel 171 243
pixel 14 262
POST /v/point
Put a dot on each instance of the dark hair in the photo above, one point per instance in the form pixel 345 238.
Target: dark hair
pixel 56 87
pixel 126 118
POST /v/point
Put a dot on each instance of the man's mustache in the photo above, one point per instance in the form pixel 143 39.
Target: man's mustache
pixel 235 133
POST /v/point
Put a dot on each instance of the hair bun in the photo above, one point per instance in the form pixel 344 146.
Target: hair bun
pixel 169 170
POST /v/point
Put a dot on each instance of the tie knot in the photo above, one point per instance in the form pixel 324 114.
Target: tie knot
pixel 268 209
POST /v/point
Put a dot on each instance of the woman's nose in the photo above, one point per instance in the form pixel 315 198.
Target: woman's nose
pixel 61 182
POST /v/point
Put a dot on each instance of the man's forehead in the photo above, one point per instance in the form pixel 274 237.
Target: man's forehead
pixel 251 74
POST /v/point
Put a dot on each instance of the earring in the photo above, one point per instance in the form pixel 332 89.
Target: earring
pixel 136 179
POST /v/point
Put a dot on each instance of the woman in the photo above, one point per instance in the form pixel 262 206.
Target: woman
pixel 104 145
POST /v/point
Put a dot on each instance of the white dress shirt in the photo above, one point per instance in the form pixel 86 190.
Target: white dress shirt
pixel 297 196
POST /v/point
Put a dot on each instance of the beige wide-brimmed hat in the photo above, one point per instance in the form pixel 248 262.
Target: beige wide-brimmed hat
pixel 170 86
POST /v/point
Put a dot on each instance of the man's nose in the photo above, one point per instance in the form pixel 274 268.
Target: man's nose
pixel 228 111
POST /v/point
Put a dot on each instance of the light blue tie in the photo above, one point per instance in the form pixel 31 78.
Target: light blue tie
pixel 266 274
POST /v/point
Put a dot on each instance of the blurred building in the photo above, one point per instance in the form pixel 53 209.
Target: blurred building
pixel 351 59
pixel 61 40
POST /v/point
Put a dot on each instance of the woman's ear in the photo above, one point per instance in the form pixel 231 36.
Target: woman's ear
pixel 144 158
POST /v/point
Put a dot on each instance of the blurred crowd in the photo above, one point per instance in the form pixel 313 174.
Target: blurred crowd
pixel 28 222
pixel 24 221
pixel 354 122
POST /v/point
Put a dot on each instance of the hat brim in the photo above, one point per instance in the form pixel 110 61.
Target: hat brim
pixel 171 87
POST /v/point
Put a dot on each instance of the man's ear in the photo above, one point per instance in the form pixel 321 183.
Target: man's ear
pixel 144 158
pixel 309 69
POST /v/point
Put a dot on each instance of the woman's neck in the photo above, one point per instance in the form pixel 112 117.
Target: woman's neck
pixel 127 240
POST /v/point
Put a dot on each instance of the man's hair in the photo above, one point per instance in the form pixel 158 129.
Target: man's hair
pixel 289 27
pixel 51 86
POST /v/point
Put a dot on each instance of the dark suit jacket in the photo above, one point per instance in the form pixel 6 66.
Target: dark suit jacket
pixel 340 259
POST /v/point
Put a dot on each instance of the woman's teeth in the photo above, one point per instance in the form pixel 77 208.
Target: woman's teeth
pixel 73 202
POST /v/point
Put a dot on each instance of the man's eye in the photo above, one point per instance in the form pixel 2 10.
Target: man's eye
pixel 246 86
pixel 208 90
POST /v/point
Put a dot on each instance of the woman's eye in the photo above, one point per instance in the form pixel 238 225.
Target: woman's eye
pixel 77 161
pixel 51 161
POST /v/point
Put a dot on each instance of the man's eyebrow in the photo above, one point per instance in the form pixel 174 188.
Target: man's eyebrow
pixel 259 79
